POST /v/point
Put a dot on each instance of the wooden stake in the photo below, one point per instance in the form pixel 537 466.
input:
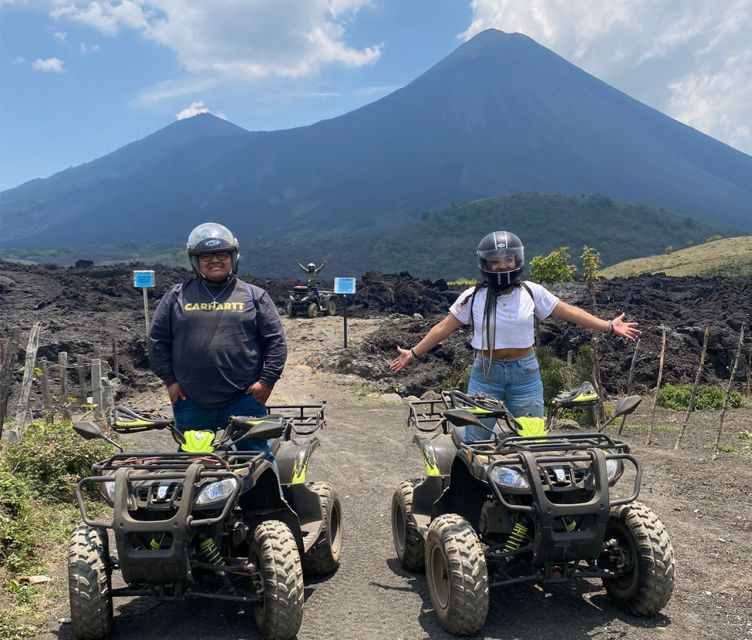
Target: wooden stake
pixel 62 361
pixel 96 386
pixel 630 380
pixel 46 399
pixel 691 406
pixel 728 389
pixel 115 363
pixel 657 387
pixel 16 433
pixel 6 372
pixel 81 379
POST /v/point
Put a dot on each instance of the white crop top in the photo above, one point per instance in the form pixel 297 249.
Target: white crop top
pixel 514 315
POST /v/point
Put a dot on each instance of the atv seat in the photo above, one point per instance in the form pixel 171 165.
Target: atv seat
pixel 583 396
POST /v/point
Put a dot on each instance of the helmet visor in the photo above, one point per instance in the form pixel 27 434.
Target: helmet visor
pixel 211 237
pixel 502 260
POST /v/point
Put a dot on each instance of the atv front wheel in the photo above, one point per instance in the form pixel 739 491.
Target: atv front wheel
pixel 456 574
pixel 408 543
pixel 323 557
pixel 275 553
pixel 89 584
pixel 313 310
pixel 290 309
pixel 642 552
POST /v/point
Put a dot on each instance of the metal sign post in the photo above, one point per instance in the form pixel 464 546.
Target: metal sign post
pixel 144 280
pixel 344 287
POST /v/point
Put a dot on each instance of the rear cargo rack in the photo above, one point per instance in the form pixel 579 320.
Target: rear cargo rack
pixel 304 419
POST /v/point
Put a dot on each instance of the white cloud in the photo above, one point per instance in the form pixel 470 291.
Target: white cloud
pixel 195 108
pixel 54 65
pixel 688 58
pixel 88 48
pixel 250 39
pixel 60 36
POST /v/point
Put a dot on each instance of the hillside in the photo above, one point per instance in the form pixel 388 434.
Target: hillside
pixel 724 257
pixel 500 115
pixel 442 245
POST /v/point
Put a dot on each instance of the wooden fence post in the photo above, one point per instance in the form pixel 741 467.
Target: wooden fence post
pixel 691 406
pixel 657 386
pixel 16 433
pixel 96 386
pixel 81 379
pixel 46 399
pixel 115 363
pixel 728 389
pixel 6 373
pixel 62 360
pixel 630 380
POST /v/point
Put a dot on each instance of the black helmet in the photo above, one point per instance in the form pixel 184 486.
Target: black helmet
pixel 211 237
pixel 311 266
pixel 496 246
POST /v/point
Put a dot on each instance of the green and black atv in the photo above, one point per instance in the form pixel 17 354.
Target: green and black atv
pixel 524 506
pixel 208 521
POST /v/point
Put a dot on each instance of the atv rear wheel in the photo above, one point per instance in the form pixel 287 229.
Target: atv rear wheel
pixel 89 584
pixel 290 309
pixel 645 552
pixel 275 553
pixel 323 557
pixel 456 574
pixel 408 543
pixel 313 310
pixel 331 307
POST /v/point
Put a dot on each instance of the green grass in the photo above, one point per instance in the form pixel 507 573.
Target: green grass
pixel 724 257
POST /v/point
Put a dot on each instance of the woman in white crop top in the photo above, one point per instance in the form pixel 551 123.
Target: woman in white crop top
pixel 501 311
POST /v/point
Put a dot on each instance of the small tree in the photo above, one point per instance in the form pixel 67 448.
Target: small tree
pixel 591 262
pixel 553 268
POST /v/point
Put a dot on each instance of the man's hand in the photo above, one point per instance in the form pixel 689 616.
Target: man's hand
pixel 260 391
pixel 175 393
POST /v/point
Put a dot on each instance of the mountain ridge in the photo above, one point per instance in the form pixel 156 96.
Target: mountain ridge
pixel 499 115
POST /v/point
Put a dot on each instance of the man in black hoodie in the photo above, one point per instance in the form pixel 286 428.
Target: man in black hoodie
pixel 216 341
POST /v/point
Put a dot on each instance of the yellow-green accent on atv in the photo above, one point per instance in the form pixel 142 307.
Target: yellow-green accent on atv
pixel 133 423
pixel 531 427
pixel 478 410
pixel 585 397
pixel 198 442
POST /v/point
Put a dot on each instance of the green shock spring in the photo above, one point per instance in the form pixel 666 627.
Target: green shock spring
pixel 209 547
pixel 516 538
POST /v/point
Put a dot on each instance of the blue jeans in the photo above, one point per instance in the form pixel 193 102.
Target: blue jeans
pixel 190 415
pixel 516 382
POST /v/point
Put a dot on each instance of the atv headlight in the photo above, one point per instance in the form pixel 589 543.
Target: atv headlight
pixel 614 470
pixel 215 491
pixel 107 489
pixel 509 477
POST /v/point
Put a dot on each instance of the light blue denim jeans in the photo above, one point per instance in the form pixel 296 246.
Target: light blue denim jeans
pixel 516 382
pixel 190 415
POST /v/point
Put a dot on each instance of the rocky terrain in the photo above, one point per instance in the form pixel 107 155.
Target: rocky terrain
pixel 83 310
pixel 366 451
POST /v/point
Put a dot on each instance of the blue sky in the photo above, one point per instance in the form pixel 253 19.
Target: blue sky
pixel 80 79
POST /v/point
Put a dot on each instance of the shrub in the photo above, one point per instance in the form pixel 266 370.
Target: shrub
pixel 676 396
pixel 16 530
pixel 553 373
pixel 553 268
pixel 53 458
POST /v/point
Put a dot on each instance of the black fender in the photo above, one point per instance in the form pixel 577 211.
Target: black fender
pixel 465 495
pixel 438 451
pixel 292 460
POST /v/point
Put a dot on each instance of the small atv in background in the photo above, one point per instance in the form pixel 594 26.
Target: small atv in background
pixel 522 506
pixel 209 521
pixel 302 302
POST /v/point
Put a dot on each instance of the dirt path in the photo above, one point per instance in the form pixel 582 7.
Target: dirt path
pixel 367 451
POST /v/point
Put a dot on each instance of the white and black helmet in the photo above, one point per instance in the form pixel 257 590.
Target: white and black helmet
pixel 498 246
pixel 211 237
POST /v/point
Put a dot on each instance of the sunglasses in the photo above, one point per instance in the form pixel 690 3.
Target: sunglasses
pixel 206 258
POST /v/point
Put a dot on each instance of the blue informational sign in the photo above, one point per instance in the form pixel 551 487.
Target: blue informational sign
pixel 344 286
pixel 143 279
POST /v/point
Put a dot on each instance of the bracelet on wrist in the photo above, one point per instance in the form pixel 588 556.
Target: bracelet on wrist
pixel 413 354
pixel 610 327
